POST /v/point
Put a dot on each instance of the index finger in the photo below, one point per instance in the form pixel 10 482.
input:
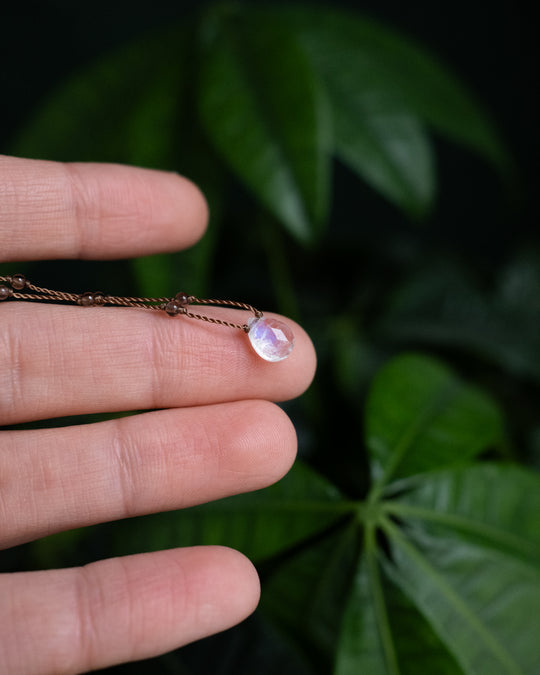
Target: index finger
pixel 84 210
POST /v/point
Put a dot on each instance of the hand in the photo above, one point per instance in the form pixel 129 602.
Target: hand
pixel 215 433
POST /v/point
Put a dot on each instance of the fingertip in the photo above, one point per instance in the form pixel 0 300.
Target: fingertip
pixel 266 444
pixel 221 588
pixel 239 598
pixel 125 210
pixel 187 213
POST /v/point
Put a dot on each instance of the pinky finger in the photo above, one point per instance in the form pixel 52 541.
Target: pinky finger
pixel 123 609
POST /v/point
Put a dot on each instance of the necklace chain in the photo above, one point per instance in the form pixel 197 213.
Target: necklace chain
pixel 17 287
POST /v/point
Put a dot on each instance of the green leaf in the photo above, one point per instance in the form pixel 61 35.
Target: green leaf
pixel 154 274
pixel 262 108
pixel 165 275
pixel 388 149
pixel 313 583
pixel 439 305
pixel 462 544
pixel 375 134
pixel 392 69
pixel 260 524
pixel 367 644
pixel 56 549
pixel 420 416
pixel 468 556
pixel 383 633
pixel 121 109
pixel 355 360
pixel 495 505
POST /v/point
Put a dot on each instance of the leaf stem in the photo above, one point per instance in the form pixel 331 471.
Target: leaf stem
pixel 381 615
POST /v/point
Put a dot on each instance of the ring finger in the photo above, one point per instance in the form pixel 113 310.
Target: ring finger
pixel 77 476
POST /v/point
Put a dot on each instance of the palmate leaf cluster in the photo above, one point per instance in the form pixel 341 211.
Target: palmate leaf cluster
pixel 425 555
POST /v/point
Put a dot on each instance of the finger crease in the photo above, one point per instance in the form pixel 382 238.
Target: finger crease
pixel 126 458
pixel 83 221
pixel 86 613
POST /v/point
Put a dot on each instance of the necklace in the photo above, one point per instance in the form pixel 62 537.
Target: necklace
pixel 271 339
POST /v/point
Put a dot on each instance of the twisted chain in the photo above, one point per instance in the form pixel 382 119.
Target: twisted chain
pixel 17 287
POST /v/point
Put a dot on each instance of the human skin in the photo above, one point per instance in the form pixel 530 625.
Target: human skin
pixel 213 428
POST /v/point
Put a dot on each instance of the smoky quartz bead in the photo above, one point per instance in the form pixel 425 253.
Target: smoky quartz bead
pixel 177 304
pixel 18 281
pixel 5 292
pixel 90 299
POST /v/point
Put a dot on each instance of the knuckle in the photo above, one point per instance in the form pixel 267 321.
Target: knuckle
pixel 128 464
pixel 82 209
pixel 98 587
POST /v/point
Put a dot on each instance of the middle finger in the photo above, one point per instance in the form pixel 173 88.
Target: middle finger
pixel 57 361
pixel 56 479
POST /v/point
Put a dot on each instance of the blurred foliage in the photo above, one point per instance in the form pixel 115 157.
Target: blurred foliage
pixel 276 93
pixel 407 537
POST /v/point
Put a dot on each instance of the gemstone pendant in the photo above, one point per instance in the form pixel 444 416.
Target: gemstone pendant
pixel 273 340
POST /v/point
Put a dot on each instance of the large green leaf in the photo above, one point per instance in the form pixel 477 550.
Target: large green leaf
pixel 387 148
pixel 439 305
pixel 420 416
pixel 366 642
pixel 260 524
pixel 383 633
pixel 389 67
pixel 468 555
pixel 495 505
pixel 313 583
pixel 163 275
pixel 255 646
pixel 375 134
pixel 262 108
pixel 461 544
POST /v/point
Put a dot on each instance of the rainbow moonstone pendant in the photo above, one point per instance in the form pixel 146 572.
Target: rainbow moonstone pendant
pixel 273 340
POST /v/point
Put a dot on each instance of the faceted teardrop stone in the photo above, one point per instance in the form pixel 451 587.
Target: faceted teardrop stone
pixel 273 340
